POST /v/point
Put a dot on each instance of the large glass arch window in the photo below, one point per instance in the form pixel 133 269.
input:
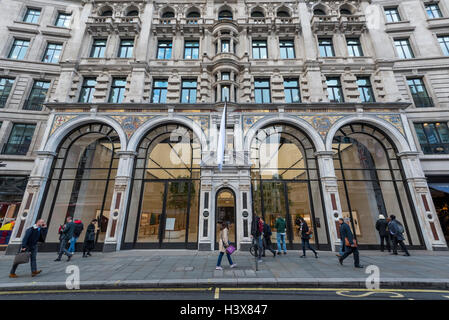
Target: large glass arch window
pixel 164 208
pixel 286 182
pixel 81 183
pixel 371 182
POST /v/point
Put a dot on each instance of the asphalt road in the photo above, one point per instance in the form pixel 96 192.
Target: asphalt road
pixel 246 295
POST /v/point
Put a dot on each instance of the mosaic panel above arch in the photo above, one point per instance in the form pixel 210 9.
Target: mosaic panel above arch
pixel 323 122
pixel 203 121
pixel 59 120
pixel 131 123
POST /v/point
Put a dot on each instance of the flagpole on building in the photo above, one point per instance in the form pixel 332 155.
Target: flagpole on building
pixel 222 139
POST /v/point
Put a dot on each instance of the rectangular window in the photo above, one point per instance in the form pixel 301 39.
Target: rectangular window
pixel 117 90
pixel 287 49
pixel 225 93
pixel 260 49
pixel 191 50
pixel 19 49
pixel 126 48
pixel 32 15
pixel 225 76
pixel 159 91
pixel 164 49
pixel 98 48
pixel 354 47
pixel 291 91
pixel 63 20
pixel 392 15
pixel 326 47
pixel 225 46
pixel 20 139
pixel 188 91
pixel 419 93
pixel 262 91
pixel 52 53
pixel 365 89
pixel 37 96
pixel 87 90
pixel 5 89
pixel 433 137
pixel 403 49
pixel 433 11
pixel 444 43
pixel 334 90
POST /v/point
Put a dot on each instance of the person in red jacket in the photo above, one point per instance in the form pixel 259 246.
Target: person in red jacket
pixel 76 234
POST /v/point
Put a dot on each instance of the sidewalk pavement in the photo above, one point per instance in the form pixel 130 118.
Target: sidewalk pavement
pixel 187 268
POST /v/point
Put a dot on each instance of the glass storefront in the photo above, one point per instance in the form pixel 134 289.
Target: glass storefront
pixel 285 182
pixel 163 211
pixel 439 189
pixel 82 180
pixel 371 183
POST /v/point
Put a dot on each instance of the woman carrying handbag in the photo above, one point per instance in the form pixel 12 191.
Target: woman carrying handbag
pixel 223 246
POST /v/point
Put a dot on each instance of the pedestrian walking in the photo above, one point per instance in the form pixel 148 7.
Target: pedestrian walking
pixel 223 243
pixel 89 239
pixel 66 235
pixel 267 239
pixel 76 234
pixel 382 228
pixel 305 237
pixel 256 233
pixel 33 235
pixel 280 234
pixel 397 235
pixel 350 244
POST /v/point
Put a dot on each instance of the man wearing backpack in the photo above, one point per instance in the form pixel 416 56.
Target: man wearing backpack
pixel 76 234
pixel 267 239
pixel 397 230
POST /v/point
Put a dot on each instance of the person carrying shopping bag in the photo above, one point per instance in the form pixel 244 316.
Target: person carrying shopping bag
pixel 223 243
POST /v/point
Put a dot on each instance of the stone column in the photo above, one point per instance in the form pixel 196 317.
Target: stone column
pixel 422 201
pixel 119 203
pixel 34 195
pixel 331 197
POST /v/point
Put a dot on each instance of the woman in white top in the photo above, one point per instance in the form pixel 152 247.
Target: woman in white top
pixel 223 243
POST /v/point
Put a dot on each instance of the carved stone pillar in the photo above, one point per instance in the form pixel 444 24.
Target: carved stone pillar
pixel 331 198
pixel 34 195
pixel 429 223
pixel 119 201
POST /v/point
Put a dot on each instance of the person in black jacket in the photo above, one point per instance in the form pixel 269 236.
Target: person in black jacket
pixel 66 235
pixel 382 227
pixel 305 237
pixel 256 233
pixel 89 239
pixel 350 244
pixel 267 239
pixel 33 235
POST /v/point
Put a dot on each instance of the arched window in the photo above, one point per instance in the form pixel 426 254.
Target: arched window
pixel 345 11
pixel 225 15
pixel 285 180
pixel 283 14
pixel 132 13
pixel 168 14
pixel 319 12
pixel 81 184
pixel 165 190
pixel 193 14
pixel 106 12
pixel 257 14
pixel 371 182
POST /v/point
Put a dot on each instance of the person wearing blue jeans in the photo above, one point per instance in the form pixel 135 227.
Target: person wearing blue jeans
pixel 76 233
pixel 223 244
pixel 280 234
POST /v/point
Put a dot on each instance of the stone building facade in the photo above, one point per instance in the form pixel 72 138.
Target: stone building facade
pixel 329 105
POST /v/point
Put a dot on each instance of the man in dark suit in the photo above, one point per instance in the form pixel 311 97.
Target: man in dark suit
pixel 351 245
pixel 66 235
pixel 33 235
pixel 382 227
